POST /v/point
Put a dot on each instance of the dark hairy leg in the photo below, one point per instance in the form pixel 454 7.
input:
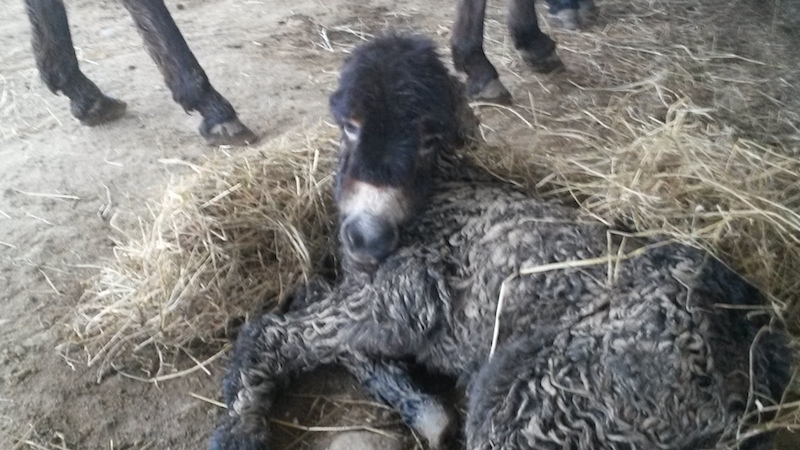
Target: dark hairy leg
pixel 466 43
pixel 536 48
pixel 58 65
pixel 183 75
pixel 571 14
pixel 387 380
pixel 269 351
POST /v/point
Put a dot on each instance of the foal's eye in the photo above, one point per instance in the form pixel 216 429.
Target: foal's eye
pixel 351 129
pixel 429 144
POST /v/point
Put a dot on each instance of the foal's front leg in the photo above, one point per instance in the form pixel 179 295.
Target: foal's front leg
pixel 269 351
pixel 387 380
pixel 391 317
pixel 184 76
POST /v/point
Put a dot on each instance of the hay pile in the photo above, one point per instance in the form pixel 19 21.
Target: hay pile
pixel 685 178
pixel 654 129
pixel 659 127
pixel 230 239
pixel 222 244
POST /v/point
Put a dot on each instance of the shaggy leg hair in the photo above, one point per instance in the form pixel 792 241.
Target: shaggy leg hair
pixel 190 87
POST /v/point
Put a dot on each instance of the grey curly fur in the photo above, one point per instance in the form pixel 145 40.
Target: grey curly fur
pixel 667 349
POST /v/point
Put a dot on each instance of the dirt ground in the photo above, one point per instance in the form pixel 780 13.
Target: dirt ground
pixel 66 191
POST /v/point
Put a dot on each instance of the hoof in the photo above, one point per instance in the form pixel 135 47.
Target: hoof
pixel 565 18
pixel 548 63
pixel 493 92
pixel 232 132
pixel 104 109
pixel 435 425
pixel 573 19
pixel 587 12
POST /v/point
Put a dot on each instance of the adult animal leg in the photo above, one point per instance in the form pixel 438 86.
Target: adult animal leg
pixel 535 47
pixel 184 76
pixel 571 14
pixel 466 44
pixel 587 12
pixel 58 66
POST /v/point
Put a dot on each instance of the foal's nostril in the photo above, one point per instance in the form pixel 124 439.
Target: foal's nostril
pixel 369 239
pixel 355 238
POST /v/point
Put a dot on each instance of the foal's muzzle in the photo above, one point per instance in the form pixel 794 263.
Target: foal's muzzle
pixel 368 239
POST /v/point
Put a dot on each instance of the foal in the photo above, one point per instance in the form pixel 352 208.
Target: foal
pixel 510 294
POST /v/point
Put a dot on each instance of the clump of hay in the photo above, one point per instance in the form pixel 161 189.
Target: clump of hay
pixel 222 244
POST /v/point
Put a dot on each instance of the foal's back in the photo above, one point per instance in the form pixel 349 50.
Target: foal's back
pixel 602 340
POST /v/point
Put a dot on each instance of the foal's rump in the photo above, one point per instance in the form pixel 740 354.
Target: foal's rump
pixel 659 358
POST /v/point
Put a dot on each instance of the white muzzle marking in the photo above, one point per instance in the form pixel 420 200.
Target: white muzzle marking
pixel 387 203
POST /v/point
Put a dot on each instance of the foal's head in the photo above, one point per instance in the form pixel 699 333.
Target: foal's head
pixel 396 107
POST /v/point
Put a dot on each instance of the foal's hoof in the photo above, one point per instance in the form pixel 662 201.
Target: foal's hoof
pixel 436 425
pixel 493 92
pixel 543 63
pixel 104 109
pixel 232 132
pixel 363 440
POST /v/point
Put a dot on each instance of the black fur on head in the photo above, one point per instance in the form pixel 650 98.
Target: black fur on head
pixel 397 107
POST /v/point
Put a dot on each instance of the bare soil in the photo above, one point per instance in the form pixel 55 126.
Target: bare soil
pixel 67 191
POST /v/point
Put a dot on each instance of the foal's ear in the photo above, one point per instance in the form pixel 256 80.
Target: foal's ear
pixel 338 107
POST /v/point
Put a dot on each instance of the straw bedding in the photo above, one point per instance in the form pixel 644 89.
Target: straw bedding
pixel 685 178
pixel 645 136
pixel 223 243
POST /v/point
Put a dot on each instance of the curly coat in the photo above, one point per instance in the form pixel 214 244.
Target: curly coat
pixel 658 346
